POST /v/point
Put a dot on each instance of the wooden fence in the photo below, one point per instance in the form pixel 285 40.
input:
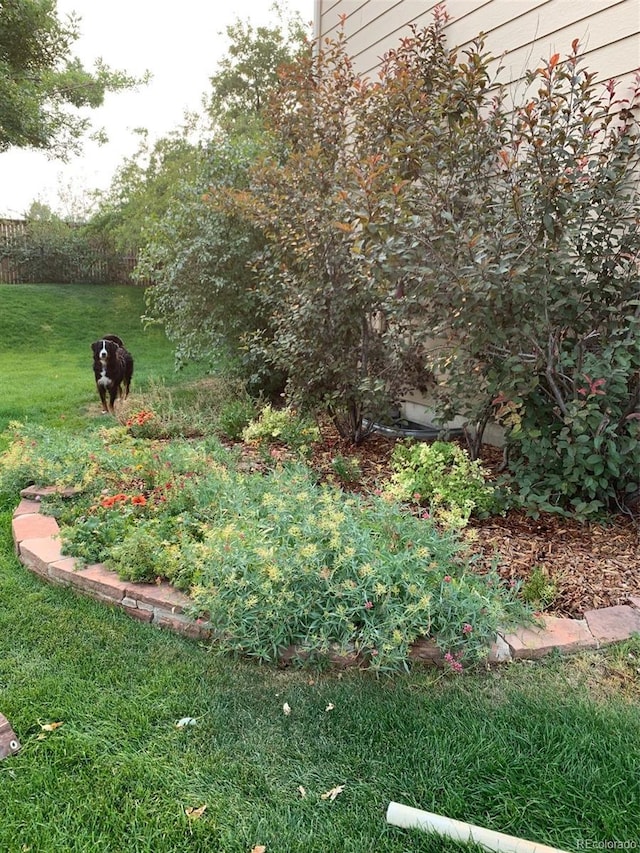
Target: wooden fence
pixel 89 263
pixel 11 232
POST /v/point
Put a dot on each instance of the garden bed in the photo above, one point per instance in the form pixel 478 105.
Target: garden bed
pixel 591 565
pixel 263 555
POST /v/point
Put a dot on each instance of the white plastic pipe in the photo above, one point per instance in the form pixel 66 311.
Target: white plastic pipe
pixel 410 818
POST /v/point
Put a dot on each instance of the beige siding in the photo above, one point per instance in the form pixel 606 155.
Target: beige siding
pixel 519 32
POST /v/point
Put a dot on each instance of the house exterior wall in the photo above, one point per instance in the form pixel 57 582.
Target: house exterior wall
pixel 519 33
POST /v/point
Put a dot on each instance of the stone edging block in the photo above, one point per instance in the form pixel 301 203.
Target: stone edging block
pixel 613 624
pixel 36 542
pixel 564 635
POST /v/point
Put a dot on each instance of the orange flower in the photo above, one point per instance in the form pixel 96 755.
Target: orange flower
pixel 140 418
pixel 114 499
pixel 138 500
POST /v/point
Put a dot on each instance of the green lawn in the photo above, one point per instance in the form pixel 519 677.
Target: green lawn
pixel 46 332
pixel 547 751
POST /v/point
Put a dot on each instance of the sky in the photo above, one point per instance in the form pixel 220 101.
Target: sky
pixel 180 44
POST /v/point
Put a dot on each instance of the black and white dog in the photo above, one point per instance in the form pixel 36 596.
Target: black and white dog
pixel 113 369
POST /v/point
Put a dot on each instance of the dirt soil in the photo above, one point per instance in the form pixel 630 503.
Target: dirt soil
pixel 591 565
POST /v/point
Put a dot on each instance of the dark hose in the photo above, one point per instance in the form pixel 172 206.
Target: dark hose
pixel 427 432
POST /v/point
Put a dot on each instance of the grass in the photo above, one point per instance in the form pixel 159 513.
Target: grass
pixel 546 751
pixel 45 359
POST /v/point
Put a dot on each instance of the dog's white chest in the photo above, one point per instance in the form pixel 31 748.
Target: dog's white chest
pixel 104 380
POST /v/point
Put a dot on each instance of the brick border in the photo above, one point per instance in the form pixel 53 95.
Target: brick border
pixel 37 544
pixel 36 541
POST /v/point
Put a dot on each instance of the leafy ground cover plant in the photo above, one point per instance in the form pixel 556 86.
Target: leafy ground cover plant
pixel 304 565
pixel 539 589
pixel 37 454
pixel 346 468
pixel 234 417
pixel 281 426
pixel 442 477
pixel 276 560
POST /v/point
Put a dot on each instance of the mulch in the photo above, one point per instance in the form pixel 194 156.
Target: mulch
pixel 592 565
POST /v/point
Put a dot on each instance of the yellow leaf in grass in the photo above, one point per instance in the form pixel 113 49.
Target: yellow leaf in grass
pixel 332 794
pixel 50 727
pixel 195 814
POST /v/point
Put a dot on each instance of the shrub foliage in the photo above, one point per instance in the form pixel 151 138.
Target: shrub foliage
pixel 497 242
pixel 53 250
pixel 514 238
pixel 430 230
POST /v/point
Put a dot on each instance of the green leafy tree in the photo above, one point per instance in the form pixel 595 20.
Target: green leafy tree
pixel 200 256
pixel 42 85
pixel 195 246
pixel 145 187
pixel 249 73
